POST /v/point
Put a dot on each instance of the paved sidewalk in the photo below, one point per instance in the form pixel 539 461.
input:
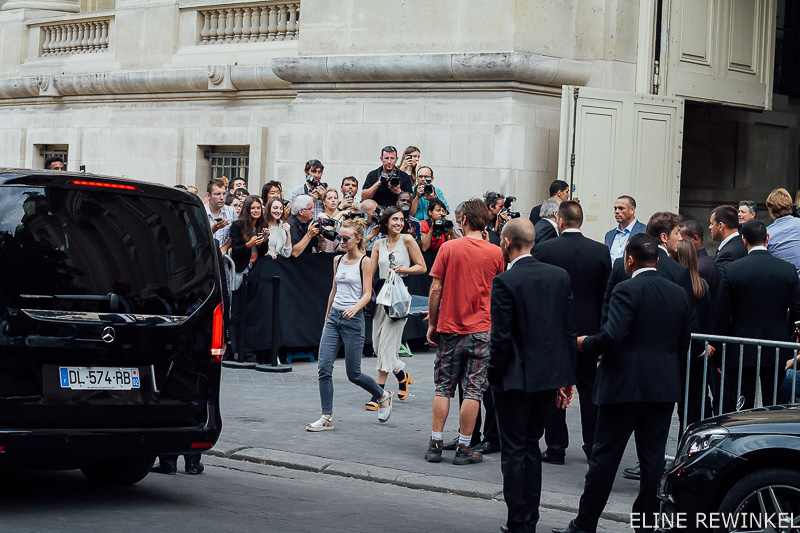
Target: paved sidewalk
pixel 264 418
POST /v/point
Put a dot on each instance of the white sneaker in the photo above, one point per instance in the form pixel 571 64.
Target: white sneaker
pixel 385 407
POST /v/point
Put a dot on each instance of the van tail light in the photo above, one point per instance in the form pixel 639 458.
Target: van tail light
pixel 104 184
pixel 196 445
pixel 217 336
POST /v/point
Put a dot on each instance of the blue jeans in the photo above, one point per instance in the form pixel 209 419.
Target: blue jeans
pixel 338 331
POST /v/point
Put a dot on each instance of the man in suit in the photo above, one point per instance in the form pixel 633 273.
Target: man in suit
pixel 665 228
pixel 559 190
pixel 692 230
pixel 547 227
pixel 627 225
pixel 638 381
pixel 759 298
pixel 588 264
pixel 724 228
pixel 532 363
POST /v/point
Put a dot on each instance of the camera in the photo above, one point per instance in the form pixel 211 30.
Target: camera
pixel 377 216
pixel 390 180
pixel 355 214
pixel 405 209
pixel 327 228
pixel 442 226
pixel 285 202
pixel 507 207
pixel 313 184
pixel 427 187
pixel 795 211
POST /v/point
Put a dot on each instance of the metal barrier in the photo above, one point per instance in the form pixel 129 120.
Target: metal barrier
pixel 719 399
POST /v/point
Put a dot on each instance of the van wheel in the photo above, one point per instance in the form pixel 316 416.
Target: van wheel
pixel 775 491
pixel 119 470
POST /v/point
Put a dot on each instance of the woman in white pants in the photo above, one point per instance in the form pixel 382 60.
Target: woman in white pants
pixel 396 251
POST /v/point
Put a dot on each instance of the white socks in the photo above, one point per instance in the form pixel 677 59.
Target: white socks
pixel 436 435
pixel 464 439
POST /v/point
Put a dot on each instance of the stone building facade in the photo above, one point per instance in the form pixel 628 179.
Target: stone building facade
pixel 174 92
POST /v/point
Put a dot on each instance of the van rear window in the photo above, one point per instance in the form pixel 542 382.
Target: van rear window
pixel 93 251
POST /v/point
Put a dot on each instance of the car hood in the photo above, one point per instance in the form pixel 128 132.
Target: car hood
pixel 778 419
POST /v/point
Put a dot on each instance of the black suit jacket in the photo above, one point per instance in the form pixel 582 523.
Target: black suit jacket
pixel 647 333
pixel 667 268
pixel 734 249
pixel 588 264
pixel 544 231
pixel 709 270
pixel 534 216
pixel 533 328
pixel 239 250
pixel 759 298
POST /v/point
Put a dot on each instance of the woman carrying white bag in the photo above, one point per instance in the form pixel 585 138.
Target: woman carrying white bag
pixel 396 252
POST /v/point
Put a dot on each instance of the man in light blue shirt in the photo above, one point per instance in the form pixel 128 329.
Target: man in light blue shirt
pixel 627 225
pixel 419 206
pixel 784 232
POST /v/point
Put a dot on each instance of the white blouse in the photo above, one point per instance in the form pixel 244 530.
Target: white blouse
pixel 279 240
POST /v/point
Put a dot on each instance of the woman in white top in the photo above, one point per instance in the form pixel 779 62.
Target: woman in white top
pixel 397 251
pixel 352 287
pixel 280 240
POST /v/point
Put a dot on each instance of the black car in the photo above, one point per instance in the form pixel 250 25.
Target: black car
pixel 111 324
pixel 736 472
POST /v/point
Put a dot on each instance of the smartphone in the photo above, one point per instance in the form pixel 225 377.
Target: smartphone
pixel 218 219
pixel 261 235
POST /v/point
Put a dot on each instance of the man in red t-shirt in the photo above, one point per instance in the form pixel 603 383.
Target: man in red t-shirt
pixel 459 325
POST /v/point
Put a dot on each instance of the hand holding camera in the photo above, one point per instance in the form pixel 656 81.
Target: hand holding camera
pixel 313 229
pixel 391 181
pixel 442 226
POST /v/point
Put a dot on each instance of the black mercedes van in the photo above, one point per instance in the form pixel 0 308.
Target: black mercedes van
pixel 111 324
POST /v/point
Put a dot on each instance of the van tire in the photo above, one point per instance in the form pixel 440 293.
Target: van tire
pixel 118 470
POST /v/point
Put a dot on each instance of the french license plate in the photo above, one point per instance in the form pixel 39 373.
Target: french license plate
pixel 101 378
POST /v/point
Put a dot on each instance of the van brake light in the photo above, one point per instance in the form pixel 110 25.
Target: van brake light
pixel 217 336
pixel 102 184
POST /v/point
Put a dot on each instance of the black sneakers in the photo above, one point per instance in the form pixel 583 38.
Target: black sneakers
pixel 466 455
pixel 434 453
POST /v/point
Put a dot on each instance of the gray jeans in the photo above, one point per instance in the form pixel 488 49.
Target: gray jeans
pixel 338 331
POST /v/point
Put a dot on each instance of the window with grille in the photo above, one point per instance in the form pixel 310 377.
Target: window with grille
pixel 57 150
pixel 229 161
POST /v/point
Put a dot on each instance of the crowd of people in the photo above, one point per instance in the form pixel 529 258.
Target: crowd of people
pixel 523 310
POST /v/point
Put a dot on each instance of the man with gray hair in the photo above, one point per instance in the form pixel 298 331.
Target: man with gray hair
pixel 747 211
pixel 547 227
pixel 303 232
pixel 458 212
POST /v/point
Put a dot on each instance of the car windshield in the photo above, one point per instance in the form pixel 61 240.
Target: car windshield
pixel 93 251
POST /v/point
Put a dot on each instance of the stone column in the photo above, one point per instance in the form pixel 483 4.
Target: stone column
pixel 68 6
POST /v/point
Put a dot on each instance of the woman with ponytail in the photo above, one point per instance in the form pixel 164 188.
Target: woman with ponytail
pixel 352 287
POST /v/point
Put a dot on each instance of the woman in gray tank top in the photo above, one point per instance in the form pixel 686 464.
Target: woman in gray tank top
pixel 352 287
pixel 397 251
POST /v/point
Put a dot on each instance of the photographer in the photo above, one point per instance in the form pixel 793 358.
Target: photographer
pixel 385 183
pixel 425 192
pixel 784 232
pixel 409 163
pixel 313 186
pixel 495 201
pixel 349 191
pixel 304 232
pixel 435 229
pixel 219 215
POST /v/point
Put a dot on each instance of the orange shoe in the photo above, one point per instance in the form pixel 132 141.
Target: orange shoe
pixel 402 386
pixel 371 406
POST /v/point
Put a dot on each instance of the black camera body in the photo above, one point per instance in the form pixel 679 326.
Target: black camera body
pixel 355 214
pixel 442 226
pixel 390 180
pixel 327 228
pixel 427 189
pixel 795 211
pixel 377 216
pixel 507 207
pixel 313 184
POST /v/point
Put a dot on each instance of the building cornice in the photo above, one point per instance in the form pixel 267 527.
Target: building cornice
pixel 472 66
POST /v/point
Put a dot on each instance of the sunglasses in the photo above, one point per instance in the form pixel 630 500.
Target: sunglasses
pixel 344 240
pixel 389 149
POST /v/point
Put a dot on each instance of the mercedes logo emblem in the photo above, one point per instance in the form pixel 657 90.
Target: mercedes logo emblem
pixel 108 334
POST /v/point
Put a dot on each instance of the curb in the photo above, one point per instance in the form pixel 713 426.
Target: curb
pixel 402 478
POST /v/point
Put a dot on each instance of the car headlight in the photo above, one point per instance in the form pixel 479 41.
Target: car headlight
pixel 700 442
